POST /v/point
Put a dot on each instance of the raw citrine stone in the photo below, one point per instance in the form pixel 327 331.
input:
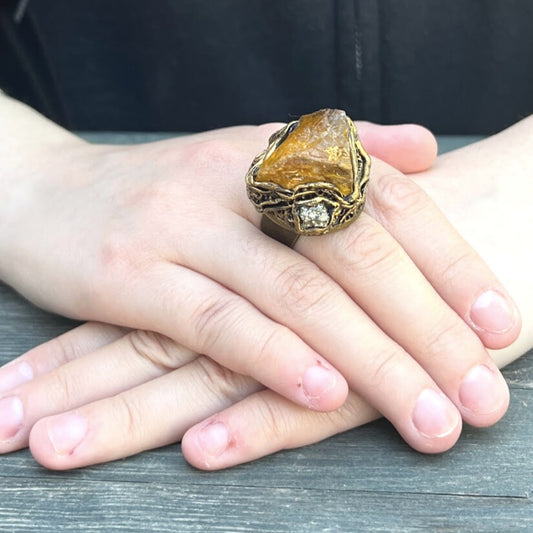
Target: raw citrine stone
pixel 318 149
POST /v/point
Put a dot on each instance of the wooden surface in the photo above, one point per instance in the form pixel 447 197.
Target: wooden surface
pixel 363 480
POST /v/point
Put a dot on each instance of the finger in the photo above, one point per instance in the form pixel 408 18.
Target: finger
pixel 407 147
pixel 262 424
pixel 125 363
pixel 377 273
pixel 210 319
pixel 56 352
pixel 151 415
pixel 455 270
pixel 295 292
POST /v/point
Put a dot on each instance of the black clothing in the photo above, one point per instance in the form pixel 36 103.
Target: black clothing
pixel 456 66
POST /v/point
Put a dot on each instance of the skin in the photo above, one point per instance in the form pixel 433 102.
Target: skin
pixel 405 295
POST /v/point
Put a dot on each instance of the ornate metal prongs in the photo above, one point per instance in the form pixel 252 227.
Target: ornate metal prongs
pixel 314 208
pixel 305 209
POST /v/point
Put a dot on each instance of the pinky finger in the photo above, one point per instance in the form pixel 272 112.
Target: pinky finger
pixel 265 423
pixel 54 353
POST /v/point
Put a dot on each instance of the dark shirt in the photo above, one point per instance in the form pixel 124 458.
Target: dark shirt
pixel 456 66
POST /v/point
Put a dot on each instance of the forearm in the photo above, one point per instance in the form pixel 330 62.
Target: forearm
pixel 21 126
pixel 28 142
pixel 24 133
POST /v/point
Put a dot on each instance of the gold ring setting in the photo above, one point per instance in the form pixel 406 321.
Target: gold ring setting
pixel 312 177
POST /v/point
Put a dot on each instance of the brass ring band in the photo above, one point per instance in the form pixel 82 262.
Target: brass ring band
pixel 277 232
pixel 312 177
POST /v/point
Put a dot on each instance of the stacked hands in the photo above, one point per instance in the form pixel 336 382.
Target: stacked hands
pixel 226 339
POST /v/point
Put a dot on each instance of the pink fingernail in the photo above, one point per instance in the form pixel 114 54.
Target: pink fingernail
pixel 434 415
pixel 213 439
pixel 317 381
pixel 15 374
pixel 11 417
pixel 492 312
pixel 481 390
pixel 66 432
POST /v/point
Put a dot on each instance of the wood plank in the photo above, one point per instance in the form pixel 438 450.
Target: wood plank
pixel 76 505
pixel 519 374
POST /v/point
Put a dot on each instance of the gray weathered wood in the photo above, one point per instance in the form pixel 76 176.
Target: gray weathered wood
pixel 363 480
pixel 88 505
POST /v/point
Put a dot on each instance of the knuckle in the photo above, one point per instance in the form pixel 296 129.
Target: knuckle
pixel 153 347
pixel 272 420
pixel 268 347
pixel 211 155
pixel 383 368
pixel 128 418
pixel 444 338
pixel 269 128
pixel 354 412
pixel 63 390
pixel 147 196
pixel 117 255
pixel 63 350
pixel 463 260
pixel 366 247
pixel 222 382
pixel 264 133
pixel 156 200
pixel 122 261
pixel 301 288
pixel 210 320
pixel 397 196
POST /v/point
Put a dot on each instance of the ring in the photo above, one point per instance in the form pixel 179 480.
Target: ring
pixel 312 177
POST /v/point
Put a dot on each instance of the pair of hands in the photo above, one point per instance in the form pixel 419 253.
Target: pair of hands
pixel 161 238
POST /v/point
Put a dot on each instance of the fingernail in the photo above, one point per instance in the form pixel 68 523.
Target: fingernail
pixel 481 390
pixel 317 381
pixel 492 312
pixel 66 432
pixel 434 415
pixel 11 417
pixel 15 374
pixel 214 439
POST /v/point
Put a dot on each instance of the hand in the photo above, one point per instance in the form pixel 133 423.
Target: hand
pixel 61 366
pixel 122 420
pixel 186 262
pixel 485 189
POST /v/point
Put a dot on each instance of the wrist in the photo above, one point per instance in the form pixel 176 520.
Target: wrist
pixel 32 151
pixel 27 141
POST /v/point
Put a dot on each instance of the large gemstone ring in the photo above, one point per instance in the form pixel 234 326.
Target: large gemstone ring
pixel 312 177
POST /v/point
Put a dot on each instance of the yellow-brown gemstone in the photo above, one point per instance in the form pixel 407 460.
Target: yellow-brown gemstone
pixel 318 149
